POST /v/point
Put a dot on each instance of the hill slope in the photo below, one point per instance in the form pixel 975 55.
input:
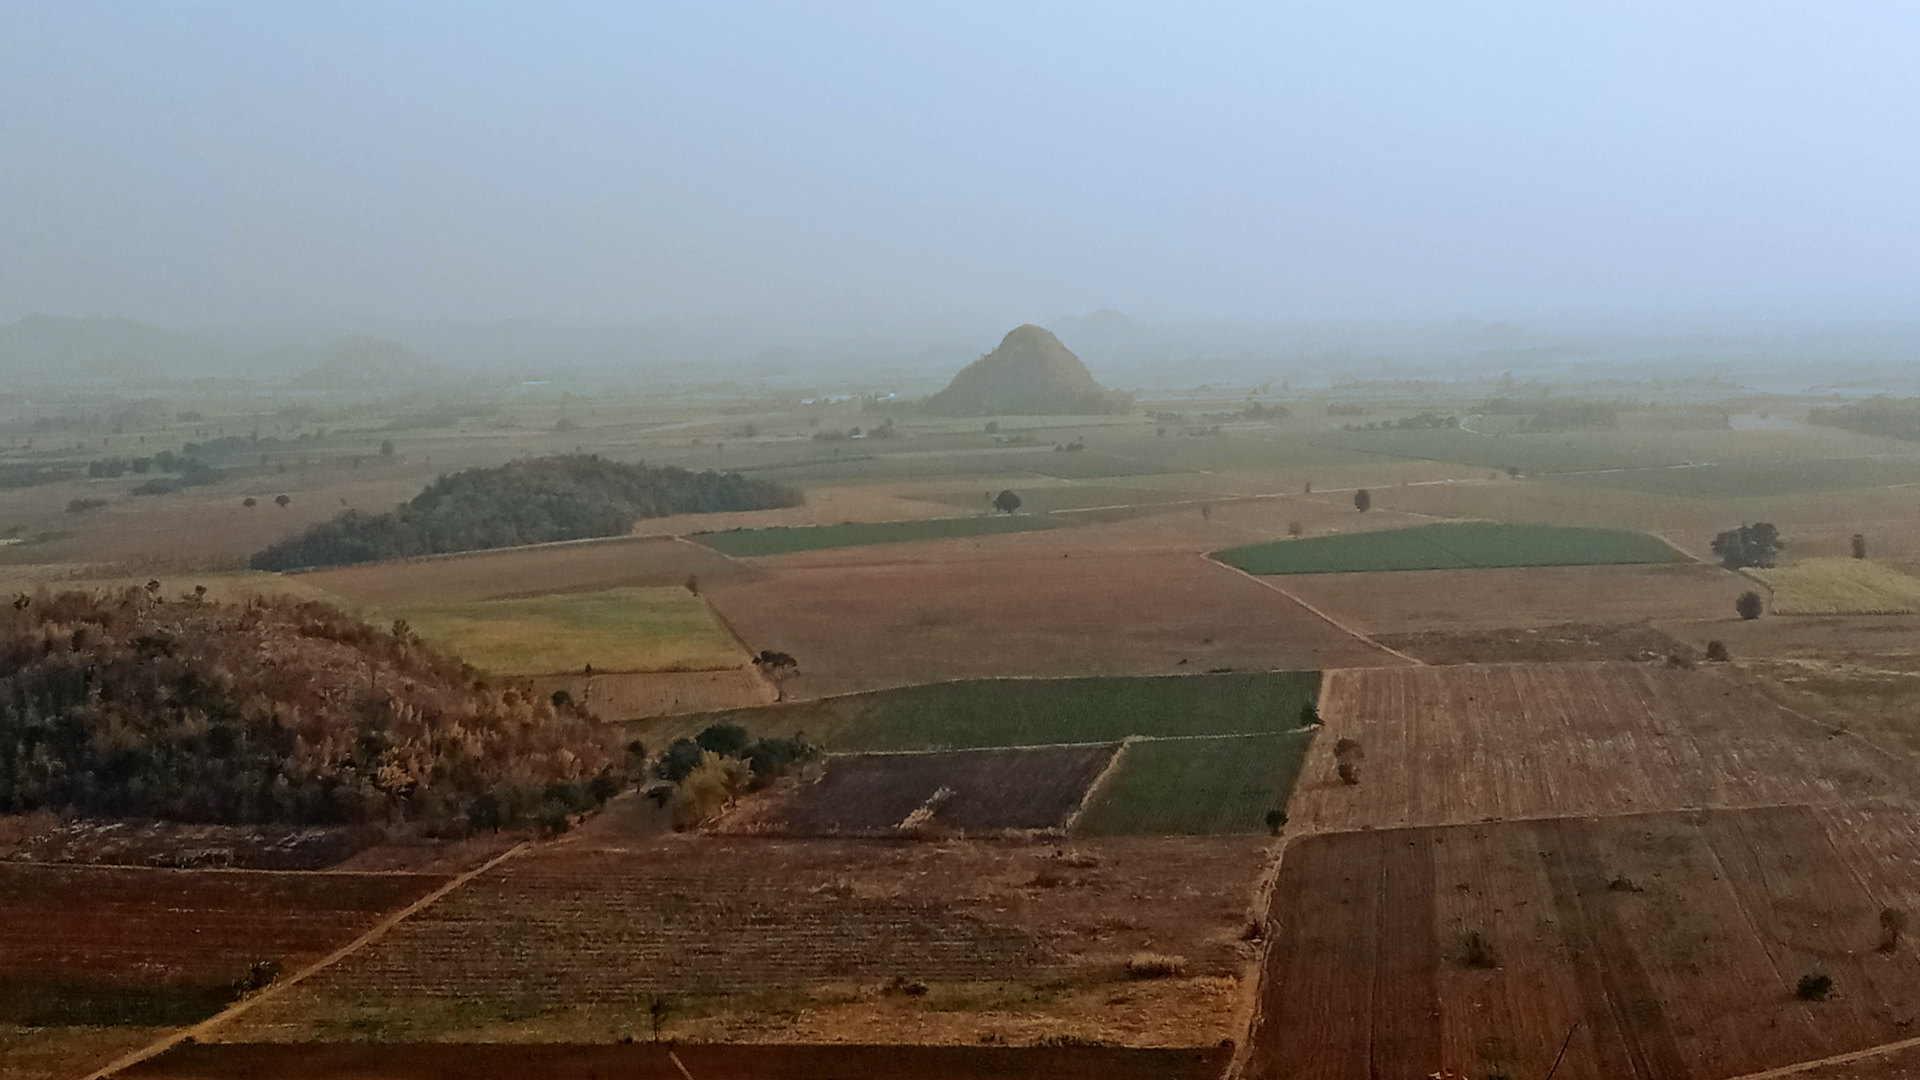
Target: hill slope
pixel 1030 372
pixel 353 363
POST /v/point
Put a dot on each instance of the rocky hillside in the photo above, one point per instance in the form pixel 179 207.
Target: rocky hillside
pixel 1030 373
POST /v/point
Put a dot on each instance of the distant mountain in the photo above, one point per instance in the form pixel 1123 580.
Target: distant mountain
pixel 354 363
pixel 55 349
pixel 1030 373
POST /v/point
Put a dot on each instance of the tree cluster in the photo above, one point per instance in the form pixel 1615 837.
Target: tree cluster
pixel 272 712
pixel 537 500
pixel 1749 545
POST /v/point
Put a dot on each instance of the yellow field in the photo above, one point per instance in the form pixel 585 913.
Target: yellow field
pixel 632 629
pixel 1841 587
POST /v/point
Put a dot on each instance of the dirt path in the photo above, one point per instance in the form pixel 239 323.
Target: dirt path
pixel 1344 628
pixel 281 986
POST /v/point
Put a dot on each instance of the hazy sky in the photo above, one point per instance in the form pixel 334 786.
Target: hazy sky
pixel 190 162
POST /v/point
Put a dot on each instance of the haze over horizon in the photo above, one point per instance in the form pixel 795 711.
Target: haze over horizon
pixel 990 165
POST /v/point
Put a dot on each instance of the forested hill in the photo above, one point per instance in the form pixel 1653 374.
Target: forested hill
pixel 272 712
pixel 538 500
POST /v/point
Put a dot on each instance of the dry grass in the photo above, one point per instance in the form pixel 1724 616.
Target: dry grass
pixel 1841 587
pixel 633 629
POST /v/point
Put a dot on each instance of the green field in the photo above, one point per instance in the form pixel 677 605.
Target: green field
pixel 631 629
pixel 1025 712
pixel 1451 546
pixel 783 541
pixel 1194 786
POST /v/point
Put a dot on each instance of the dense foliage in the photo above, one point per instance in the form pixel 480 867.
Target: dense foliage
pixel 567 497
pixel 272 711
pixel 1897 418
pixel 1749 545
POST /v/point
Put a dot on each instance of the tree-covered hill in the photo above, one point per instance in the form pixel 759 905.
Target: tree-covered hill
pixel 538 500
pixel 272 711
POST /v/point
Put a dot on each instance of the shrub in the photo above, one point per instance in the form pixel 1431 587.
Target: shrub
pixel 260 975
pixel 1814 986
pixel 1476 951
pixel 1749 605
pixel 1349 773
pixel 1144 965
pixel 81 506
pixel 1363 500
pixel 1893 923
pixel 1717 651
pixel 1309 714
pixel 1276 820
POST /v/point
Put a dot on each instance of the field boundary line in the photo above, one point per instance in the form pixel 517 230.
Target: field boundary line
pixel 1328 619
pixel 278 988
pixel 1106 776
pixel 1848 1058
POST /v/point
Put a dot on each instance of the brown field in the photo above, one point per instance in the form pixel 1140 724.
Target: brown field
pixel 960 791
pixel 658 1061
pixel 763 940
pixel 1564 643
pixel 1417 600
pixel 582 566
pixel 1451 745
pixel 63 1053
pixel 637 695
pixel 1667 946
pixel 866 626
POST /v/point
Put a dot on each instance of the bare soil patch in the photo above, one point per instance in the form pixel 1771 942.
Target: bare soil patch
pixel 1449 745
pixel 774 940
pixel 860 627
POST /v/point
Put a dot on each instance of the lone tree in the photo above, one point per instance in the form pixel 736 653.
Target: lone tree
pixel 1363 500
pixel 282 501
pixel 386 448
pixel 249 502
pixel 1859 545
pixel 1749 605
pixel 1006 502
pixel 1748 545
pixel 777 666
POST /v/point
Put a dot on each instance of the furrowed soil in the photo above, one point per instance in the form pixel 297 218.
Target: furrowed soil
pixel 1651 946
pixel 1565 643
pixel 865 626
pixel 965 792
pixel 1202 785
pixel 768 941
pixel 1449 745
pixel 660 1061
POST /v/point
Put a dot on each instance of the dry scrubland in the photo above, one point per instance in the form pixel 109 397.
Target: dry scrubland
pixel 768 941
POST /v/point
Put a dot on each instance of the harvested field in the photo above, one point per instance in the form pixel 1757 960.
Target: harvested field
pixel 970 792
pixel 62 1053
pixel 1564 643
pixel 1840 587
pixel 1450 745
pixel 751 542
pixel 1027 712
pixel 110 946
pixel 1457 600
pixel 765 940
pixel 1198 785
pixel 1669 945
pixel 637 695
pixel 1451 546
pixel 583 566
pixel 615 630
pixel 645 1061
pixel 862 627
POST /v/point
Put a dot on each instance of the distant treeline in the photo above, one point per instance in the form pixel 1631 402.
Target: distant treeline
pixel 274 711
pixel 538 500
pixel 1555 415
pixel 1897 418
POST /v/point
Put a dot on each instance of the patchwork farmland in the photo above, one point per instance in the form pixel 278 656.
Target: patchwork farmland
pixel 1461 545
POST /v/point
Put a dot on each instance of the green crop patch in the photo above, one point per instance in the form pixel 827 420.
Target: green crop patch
pixel 627 629
pixel 743 543
pixel 1759 478
pixel 1197 786
pixel 1451 546
pixel 1026 712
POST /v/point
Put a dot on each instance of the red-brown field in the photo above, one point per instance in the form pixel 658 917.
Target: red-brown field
pixel 1450 745
pixel 660 1061
pixel 960 791
pixel 1664 947
pixel 1411 601
pixel 765 940
pixel 887 623
pixel 121 928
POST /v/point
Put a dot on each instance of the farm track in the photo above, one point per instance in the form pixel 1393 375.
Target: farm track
pixel 1343 627
pixel 280 987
